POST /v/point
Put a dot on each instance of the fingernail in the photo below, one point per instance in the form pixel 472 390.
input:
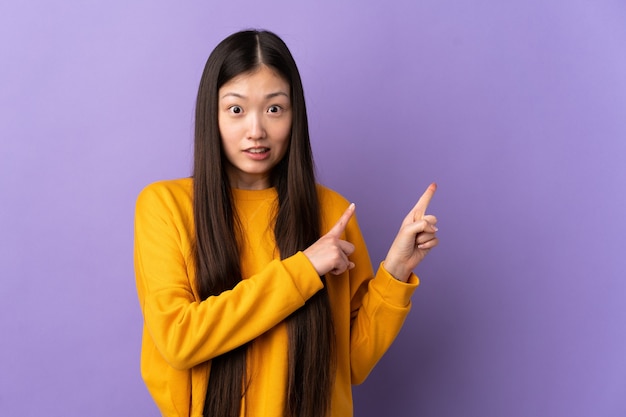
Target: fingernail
pixel 435 228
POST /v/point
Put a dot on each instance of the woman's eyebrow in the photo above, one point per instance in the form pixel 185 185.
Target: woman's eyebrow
pixel 233 95
pixel 270 95
pixel 279 93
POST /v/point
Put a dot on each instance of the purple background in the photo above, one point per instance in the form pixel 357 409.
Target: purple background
pixel 516 109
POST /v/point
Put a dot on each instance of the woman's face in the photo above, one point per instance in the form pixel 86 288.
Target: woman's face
pixel 254 116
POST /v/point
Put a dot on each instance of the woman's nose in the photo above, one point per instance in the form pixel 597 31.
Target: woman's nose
pixel 256 129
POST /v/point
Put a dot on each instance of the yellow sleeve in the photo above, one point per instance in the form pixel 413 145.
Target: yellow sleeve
pixel 379 307
pixel 185 330
pixel 378 321
pixel 379 303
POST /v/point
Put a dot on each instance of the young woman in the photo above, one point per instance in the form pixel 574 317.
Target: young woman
pixel 256 288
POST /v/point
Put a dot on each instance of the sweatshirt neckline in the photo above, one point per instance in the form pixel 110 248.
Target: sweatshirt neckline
pixel 252 195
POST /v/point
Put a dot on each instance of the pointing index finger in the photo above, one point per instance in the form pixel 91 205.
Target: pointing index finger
pixel 341 224
pixel 422 204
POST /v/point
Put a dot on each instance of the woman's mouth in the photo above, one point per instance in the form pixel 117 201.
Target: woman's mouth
pixel 258 154
pixel 258 150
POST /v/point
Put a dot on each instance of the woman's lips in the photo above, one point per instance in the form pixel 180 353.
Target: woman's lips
pixel 258 154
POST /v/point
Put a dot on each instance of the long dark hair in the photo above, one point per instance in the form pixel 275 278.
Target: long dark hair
pixel 297 226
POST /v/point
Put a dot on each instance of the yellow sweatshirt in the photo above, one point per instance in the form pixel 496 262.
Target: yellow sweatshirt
pixel 182 333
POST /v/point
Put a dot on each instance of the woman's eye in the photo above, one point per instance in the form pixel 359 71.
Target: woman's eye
pixel 236 109
pixel 274 109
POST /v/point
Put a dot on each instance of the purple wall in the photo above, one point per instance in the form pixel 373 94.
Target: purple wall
pixel 516 109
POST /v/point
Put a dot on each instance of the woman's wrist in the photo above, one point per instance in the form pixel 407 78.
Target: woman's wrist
pixel 396 271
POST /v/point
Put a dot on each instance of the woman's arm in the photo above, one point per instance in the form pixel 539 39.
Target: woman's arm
pixel 185 330
pixel 380 304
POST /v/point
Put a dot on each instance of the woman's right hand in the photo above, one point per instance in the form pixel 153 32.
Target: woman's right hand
pixel 330 253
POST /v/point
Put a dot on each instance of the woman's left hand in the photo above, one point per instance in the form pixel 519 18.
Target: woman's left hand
pixel 414 240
